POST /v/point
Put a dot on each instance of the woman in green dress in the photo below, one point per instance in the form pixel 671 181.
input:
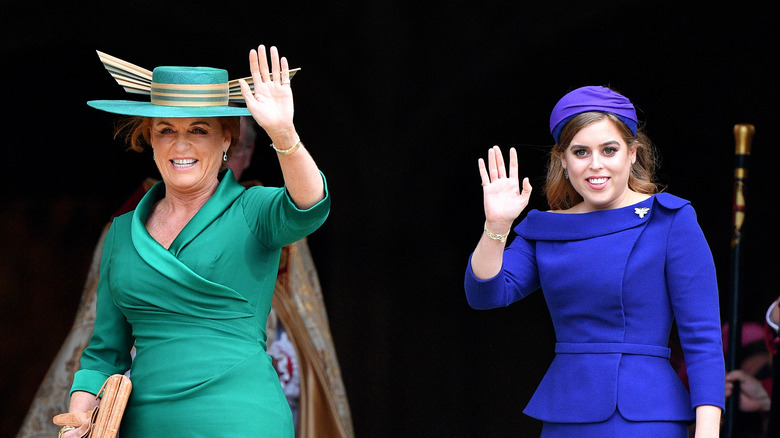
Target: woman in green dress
pixel 187 277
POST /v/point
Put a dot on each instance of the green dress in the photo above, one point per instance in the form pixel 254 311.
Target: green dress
pixel 197 314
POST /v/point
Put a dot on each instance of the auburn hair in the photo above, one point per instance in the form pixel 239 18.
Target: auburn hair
pixel 137 131
pixel 559 191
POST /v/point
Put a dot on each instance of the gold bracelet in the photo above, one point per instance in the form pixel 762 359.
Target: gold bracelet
pixel 500 237
pixel 287 151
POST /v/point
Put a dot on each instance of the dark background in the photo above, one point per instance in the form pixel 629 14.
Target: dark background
pixel 396 101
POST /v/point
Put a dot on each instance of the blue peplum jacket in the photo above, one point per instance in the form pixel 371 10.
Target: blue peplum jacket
pixel 614 281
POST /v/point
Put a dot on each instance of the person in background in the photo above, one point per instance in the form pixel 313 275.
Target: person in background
pixel 310 355
pixel 280 347
pixel 754 375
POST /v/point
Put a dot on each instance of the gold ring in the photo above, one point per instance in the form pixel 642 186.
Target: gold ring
pixel 285 83
pixel 65 429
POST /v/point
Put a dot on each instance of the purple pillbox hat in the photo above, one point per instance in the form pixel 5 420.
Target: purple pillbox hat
pixel 591 98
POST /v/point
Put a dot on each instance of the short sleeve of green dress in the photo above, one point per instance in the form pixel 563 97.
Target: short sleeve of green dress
pixel 197 313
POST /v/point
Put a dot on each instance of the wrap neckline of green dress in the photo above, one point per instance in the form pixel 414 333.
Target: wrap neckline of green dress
pixel 166 261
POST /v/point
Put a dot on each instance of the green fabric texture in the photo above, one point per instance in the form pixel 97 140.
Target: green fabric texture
pixel 189 75
pixel 197 313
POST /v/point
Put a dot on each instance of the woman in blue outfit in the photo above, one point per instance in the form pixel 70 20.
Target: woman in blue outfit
pixel 617 262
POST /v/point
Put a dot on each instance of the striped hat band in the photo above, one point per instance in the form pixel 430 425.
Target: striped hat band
pixel 189 86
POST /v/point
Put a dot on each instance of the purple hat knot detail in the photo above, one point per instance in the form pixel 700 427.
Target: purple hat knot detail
pixel 592 98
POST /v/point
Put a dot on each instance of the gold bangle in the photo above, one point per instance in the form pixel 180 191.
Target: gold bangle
pixel 287 151
pixel 500 237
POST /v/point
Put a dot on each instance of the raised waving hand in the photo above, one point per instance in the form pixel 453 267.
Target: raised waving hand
pixel 271 104
pixel 504 201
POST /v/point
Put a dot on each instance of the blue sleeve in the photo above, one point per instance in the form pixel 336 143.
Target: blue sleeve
pixel 274 218
pixel 108 351
pixel 519 277
pixel 693 289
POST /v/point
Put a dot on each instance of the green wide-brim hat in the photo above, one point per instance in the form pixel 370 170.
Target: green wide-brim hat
pixel 174 91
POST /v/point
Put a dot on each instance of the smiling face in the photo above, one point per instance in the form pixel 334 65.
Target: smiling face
pixel 188 152
pixel 598 162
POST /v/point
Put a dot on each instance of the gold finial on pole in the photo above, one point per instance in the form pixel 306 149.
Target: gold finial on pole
pixel 743 137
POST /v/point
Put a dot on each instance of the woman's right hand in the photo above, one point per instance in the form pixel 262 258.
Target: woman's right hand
pixel 81 406
pixel 504 201
pixel 72 419
pixel 77 433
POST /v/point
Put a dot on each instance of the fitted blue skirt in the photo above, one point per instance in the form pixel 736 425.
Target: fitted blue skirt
pixel 616 427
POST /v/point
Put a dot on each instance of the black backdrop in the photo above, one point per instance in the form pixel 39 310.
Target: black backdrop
pixel 396 101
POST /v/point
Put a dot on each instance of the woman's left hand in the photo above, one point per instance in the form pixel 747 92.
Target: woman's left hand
pixel 707 421
pixel 271 104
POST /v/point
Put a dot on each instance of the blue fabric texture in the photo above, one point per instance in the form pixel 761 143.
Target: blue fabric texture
pixel 614 283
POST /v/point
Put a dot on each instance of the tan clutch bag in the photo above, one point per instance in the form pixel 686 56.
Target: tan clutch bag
pixel 105 419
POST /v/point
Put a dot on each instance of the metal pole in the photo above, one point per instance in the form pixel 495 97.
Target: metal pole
pixel 743 136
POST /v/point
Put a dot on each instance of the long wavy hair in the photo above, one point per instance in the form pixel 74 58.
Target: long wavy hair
pixel 559 191
pixel 137 131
